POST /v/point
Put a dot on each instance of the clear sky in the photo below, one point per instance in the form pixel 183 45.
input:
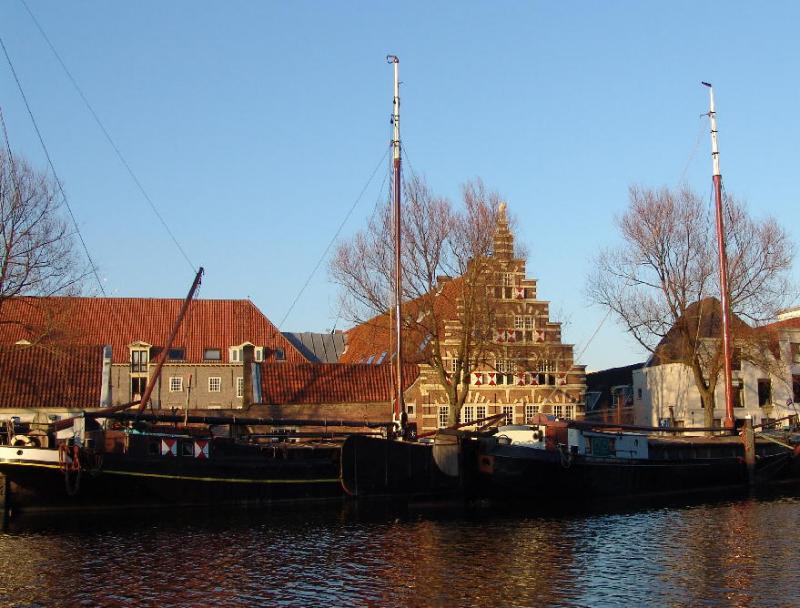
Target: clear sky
pixel 254 126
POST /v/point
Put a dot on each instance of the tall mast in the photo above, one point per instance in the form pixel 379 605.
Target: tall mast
pixel 399 408
pixel 723 263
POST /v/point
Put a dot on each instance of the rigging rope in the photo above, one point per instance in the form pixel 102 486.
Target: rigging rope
pixel 333 239
pixel 52 168
pixel 108 137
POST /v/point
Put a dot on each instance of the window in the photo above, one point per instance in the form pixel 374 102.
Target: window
pixel 796 388
pixel 240 387
pixel 531 409
pixel 175 384
pixel 453 365
pixel 258 353
pixel 794 352
pixel 737 393
pixel 519 322
pixel 764 392
pixel 444 413
pixel 508 279
pixel 480 412
pixel 409 408
pixel 508 411
pixel 569 412
pixel 279 354
pixel 137 388
pixel 139 360
pixel 214 384
pixel 505 366
pixel 639 393
pixel 187 448
pixel 736 359
pixel 529 322
pixel 176 354
pixel 212 354
pixel 468 413
pixel 558 411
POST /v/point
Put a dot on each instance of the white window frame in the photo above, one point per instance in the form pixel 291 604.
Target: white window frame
pixel 508 279
pixel 531 409
pixel 508 412
pixel 569 412
pixel 444 413
pixel 240 387
pixel 480 412
pixel 215 384
pixel 529 322
pixel 519 322
pixel 468 414
pixel 558 411
pixel 175 384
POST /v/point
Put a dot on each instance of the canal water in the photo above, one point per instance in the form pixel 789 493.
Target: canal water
pixel 724 552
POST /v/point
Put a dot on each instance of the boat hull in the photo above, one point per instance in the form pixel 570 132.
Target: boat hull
pixel 511 471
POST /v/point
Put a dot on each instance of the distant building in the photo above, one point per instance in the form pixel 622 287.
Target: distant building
pixel 526 370
pixel 609 395
pixel 318 347
pixel 204 367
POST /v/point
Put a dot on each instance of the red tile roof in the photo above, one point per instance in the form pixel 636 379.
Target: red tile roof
pixel 37 376
pixel 374 337
pixel 122 321
pixel 313 383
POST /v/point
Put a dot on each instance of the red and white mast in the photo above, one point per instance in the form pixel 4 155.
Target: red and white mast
pixel 723 264
pixel 399 407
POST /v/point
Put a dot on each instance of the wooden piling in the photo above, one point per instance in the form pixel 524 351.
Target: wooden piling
pixel 4 501
pixel 749 441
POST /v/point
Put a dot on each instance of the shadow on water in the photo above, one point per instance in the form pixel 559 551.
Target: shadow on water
pixel 377 511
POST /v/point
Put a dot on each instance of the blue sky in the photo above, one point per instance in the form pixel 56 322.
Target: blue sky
pixel 253 126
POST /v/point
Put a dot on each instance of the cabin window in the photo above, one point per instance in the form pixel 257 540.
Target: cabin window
pixel 468 413
pixel 531 409
pixel 444 413
pixel 176 354
pixel 139 360
pixel 175 384
pixel 764 392
pixel 212 354
pixel 480 412
pixel 508 411
pixel 240 387
pixel 214 384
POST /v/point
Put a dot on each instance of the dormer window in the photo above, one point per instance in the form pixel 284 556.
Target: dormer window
pixel 176 354
pixel 140 358
pixel 212 354
pixel 236 353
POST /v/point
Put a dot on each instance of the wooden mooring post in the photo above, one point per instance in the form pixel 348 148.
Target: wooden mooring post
pixel 4 502
pixel 749 441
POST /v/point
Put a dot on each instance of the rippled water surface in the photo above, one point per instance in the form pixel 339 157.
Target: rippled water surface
pixel 740 552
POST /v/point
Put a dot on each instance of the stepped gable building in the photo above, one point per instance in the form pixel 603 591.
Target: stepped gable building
pixel 204 368
pixel 525 368
pixel 766 383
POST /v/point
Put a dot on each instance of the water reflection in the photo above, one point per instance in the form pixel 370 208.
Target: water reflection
pixel 734 552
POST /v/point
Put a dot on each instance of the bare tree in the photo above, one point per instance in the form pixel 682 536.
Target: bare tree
pixel 663 278
pixel 37 255
pixel 448 309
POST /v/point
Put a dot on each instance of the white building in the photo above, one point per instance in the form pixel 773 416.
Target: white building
pixel 664 390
